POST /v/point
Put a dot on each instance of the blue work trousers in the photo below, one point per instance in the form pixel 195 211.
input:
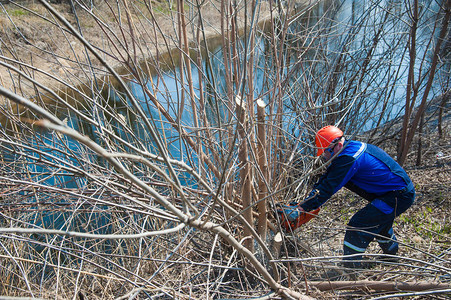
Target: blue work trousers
pixel 375 221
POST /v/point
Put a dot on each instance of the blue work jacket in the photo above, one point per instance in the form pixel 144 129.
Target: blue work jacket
pixel 362 168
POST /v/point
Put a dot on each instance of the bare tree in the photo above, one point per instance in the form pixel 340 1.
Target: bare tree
pixel 144 144
pixel 415 87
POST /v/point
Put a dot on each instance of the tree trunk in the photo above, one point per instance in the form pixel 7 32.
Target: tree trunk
pixel 445 98
pixel 420 140
pixel 263 165
pixel 410 82
pixel 245 174
pixel 378 285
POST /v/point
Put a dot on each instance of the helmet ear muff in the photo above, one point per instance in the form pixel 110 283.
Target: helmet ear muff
pixel 325 137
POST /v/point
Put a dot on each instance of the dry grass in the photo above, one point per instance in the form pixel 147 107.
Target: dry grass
pixel 189 263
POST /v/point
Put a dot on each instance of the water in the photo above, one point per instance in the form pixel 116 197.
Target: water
pixel 310 91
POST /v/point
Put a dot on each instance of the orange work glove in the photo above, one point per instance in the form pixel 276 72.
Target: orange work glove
pixel 293 216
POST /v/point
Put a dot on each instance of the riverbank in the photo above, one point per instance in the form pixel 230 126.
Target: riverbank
pixel 35 45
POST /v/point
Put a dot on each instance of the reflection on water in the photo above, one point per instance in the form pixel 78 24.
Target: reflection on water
pixel 345 61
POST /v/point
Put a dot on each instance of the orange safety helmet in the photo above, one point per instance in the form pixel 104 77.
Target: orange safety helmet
pixel 325 136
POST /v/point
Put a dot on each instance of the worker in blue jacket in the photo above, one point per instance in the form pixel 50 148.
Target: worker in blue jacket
pixel 371 173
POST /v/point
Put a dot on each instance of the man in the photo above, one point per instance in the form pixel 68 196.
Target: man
pixel 371 173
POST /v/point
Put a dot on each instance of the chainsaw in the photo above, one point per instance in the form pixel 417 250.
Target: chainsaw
pixel 292 216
